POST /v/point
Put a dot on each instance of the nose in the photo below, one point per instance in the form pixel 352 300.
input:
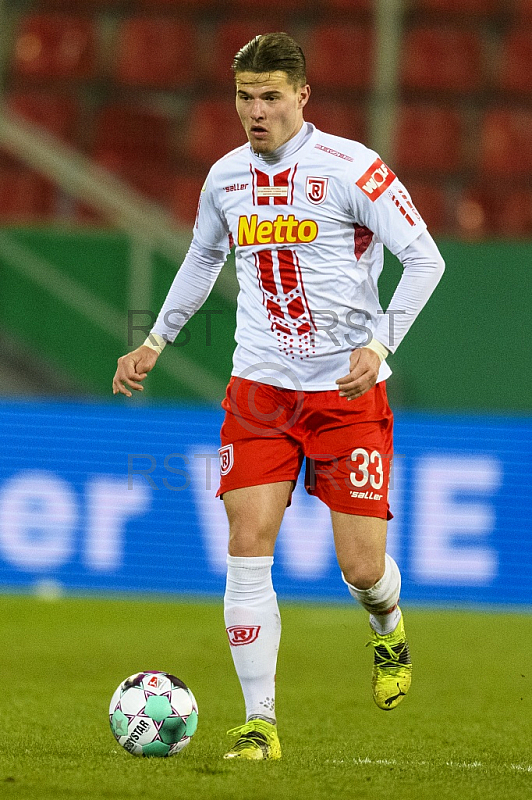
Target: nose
pixel 257 110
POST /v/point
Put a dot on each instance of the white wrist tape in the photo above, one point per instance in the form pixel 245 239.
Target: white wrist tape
pixel 378 348
pixel 155 342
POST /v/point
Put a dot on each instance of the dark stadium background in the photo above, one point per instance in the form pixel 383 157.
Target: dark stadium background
pixel 112 113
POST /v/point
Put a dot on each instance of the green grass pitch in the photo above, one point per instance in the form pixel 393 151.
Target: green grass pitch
pixel 464 731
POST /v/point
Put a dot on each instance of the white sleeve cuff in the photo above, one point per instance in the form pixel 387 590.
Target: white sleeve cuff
pixel 378 348
pixel 155 342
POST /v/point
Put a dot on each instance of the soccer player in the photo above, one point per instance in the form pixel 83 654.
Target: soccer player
pixel 309 214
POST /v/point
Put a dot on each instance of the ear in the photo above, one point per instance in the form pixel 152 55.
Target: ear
pixel 304 94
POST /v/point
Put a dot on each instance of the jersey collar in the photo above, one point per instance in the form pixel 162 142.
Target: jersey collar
pixel 289 148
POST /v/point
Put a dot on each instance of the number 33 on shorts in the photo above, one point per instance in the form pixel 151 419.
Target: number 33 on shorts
pixel 360 475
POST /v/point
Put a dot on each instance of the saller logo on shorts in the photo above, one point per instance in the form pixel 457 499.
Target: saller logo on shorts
pixel 283 230
pixel 242 634
pixel 376 180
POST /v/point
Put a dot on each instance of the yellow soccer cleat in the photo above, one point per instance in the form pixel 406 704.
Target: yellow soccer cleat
pixel 257 741
pixel 392 667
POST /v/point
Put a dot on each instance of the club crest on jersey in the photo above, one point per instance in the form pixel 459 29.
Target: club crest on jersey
pixel 376 180
pixel 226 458
pixel 242 634
pixel 316 189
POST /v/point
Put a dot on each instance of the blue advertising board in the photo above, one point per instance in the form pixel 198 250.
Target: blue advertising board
pixel 101 497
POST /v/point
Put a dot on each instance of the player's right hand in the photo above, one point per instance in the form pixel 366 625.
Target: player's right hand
pixel 132 369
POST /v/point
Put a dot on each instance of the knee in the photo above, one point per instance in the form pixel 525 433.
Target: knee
pixel 363 576
pixel 250 536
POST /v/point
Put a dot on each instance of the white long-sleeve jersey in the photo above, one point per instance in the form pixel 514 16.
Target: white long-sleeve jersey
pixel 308 223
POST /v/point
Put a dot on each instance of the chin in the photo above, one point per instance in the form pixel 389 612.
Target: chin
pixel 262 147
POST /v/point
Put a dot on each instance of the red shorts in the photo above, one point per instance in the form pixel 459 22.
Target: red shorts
pixel 348 445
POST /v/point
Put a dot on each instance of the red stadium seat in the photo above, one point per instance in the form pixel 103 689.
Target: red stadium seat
pixel 56 113
pixel 55 46
pixel 185 195
pixel 442 58
pixel 515 214
pixel 489 210
pixel 431 203
pixel 340 56
pixel 506 143
pixel 476 213
pixel 229 37
pixel 337 117
pixel 25 195
pixel 137 133
pixel 347 6
pixel 428 139
pixel 152 180
pixel 214 129
pixel 515 72
pixel 80 6
pixel 155 51
pixel 174 6
pixel 459 7
pixel 250 6
pixel 524 10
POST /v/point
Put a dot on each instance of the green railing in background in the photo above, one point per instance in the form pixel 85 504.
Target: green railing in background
pixel 467 350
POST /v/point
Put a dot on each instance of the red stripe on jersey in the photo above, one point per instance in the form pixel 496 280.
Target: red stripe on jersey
pixel 298 267
pixel 275 309
pixel 363 237
pixel 403 211
pixel 281 179
pixel 265 264
pixel 292 183
pixel 296 308
pixel 253 193
pixel 287 270
pixel 262 180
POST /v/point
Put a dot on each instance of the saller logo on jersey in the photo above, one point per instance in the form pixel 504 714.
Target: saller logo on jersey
pixel 376 179
pixel 283 230
pixel 242 634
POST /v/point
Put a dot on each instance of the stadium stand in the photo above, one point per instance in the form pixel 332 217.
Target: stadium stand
pixel 24 195
pixel 441 58
pixel 58 113
pixel 341 117
pixel 144 86
pixel 341 56
pixel 228 38
pixel 137 133
pixel 506 143
pixel 515 70
pixel 54 47
pixel 185 192
pixel 155 51
pixel 430 201
pixel 213 130
pixel 479 8
pixel 524 10
pixel 429 140
pixel 348 6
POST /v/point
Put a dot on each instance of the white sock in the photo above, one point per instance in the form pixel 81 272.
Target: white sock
pixel 382 599
pixel 253 626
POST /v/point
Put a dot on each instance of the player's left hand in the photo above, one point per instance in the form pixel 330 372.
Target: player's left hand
pixel 363 370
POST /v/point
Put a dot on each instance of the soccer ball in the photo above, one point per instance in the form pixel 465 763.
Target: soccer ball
pixel 153 714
